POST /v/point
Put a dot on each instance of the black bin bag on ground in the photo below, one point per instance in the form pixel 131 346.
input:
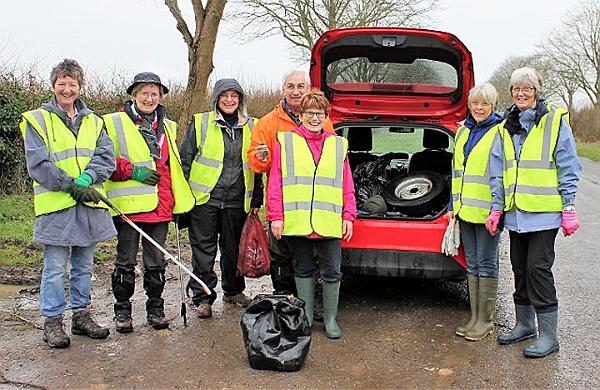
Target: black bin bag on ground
pixel 276 332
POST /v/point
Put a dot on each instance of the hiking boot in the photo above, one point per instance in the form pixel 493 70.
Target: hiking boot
pixel 157 321
pixel 204 310
pixel 82 323
pixel 54 332
pixel 123 323
pixel 240 299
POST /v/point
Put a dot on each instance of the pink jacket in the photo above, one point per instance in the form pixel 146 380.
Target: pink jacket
pixel 274 189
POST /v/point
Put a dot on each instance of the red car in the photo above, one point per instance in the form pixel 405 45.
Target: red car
pixel 397 95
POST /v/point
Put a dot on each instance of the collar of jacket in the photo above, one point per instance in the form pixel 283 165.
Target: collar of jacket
pixel 290 113
pixel 489 122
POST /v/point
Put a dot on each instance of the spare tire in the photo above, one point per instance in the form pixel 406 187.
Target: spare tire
pixel 417 193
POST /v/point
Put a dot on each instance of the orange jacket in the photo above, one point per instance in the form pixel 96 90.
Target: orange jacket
pixel 265 132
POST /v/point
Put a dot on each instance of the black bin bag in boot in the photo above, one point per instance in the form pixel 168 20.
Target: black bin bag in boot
pixel 276 332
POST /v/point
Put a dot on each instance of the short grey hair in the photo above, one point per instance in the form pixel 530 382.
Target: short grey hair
pixel 139 86
pixel 292 72
pixel 527 75
pixel 67 67
pixel 485 92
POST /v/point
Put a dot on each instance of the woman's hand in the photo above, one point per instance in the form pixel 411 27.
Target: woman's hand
pixel 347 230
pixel 277 229
pixel 254 210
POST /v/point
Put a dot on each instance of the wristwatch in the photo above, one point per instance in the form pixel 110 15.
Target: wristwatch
pixel 569 208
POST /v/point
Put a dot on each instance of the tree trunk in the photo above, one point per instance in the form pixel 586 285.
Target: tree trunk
pixel 200 58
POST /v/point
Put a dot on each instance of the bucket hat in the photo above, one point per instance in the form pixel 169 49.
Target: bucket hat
pixel 147 77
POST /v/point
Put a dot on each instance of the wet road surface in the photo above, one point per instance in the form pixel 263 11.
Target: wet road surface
pixel 396 334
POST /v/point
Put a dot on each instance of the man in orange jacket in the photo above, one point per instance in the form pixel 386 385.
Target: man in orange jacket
pixel 284 117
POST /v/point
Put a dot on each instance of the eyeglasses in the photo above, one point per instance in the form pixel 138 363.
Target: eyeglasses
pixel 310 114
pixel 525 90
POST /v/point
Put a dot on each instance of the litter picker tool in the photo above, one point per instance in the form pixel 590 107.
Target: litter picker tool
pixel 156 244
pixel 183 306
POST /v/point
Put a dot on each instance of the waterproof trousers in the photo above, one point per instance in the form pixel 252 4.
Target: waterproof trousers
pixel 209 226
pixel 532 258
pixel 123 277
pixel 282 268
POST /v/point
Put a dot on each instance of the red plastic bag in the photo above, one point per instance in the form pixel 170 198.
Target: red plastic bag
pixel 253 255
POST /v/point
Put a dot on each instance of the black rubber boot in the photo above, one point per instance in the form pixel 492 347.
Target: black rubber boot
pixel 54 332
pixel 524 328
pixel 82 323
pixel 547 342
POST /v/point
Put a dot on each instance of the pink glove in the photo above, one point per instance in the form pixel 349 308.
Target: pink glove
pixel 491 222
pixel 570 223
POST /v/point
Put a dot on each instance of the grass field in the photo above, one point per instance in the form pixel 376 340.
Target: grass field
pixel 589 150
pixel 16 227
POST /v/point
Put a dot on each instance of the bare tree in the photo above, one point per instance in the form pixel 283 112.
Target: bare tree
pixel 201 45
pixel 301 22
pixel 558 87
pixel 575 49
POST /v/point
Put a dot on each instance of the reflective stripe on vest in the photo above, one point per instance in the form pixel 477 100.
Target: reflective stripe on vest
pixel 131 196
pixel 208 162
pixel 69 153
pixel 471 193
pixel 533 184
pixel 312 195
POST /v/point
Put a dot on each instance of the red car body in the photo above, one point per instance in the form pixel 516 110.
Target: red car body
pixel 396 246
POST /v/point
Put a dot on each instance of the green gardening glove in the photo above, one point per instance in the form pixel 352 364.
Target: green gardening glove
pixel 84 180
pixel 145 175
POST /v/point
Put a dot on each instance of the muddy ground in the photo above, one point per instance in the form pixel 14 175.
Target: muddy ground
pixel 396 334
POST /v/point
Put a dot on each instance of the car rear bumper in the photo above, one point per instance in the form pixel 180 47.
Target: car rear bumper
pixel 422 265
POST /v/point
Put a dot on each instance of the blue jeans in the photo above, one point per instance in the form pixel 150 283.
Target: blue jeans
pixel 52 289
pixel 481 249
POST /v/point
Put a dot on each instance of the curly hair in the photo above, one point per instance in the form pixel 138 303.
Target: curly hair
pixel 314 99
pixel 67 67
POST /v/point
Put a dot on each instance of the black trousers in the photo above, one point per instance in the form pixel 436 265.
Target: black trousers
pixel 210 225
pixel 123 277
pixel 282 267
pixel 532 257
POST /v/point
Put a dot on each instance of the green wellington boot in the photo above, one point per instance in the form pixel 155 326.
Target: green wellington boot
pixel 486 306
pixel 473 283
pixel 331 297
pixel 306 292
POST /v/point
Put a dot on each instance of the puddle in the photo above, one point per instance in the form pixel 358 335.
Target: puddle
pixel 6 290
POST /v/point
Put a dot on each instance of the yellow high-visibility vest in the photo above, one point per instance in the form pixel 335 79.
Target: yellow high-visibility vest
pixel 313 196
pixel 471 193
pixel 66 152
pixel 132 196
pixel 533 183
pixel 208 162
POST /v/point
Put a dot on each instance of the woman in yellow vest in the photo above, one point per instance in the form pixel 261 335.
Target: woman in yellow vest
pixel 68 152
pixel 214 157
pixel 311 201
pixel 148 186
pixel 541 177
pixel 477 201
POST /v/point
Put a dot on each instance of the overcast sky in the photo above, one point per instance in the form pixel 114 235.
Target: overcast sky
pixel 130 36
